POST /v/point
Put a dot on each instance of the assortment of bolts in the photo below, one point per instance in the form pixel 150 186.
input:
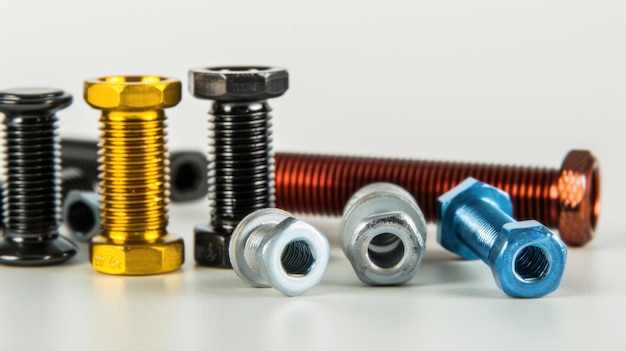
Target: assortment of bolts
pixel 385 203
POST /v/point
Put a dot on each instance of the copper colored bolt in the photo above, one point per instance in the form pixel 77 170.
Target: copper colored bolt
pixel 567 198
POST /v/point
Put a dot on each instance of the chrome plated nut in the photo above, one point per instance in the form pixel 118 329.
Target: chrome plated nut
pixel 269 247
pixel 238 83
pixel 81 214
pixel 383 234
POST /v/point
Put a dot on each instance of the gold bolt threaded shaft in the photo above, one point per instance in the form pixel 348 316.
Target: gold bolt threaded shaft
pixel 134 177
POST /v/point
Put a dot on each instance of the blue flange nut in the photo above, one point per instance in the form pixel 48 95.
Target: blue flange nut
pixel 474 221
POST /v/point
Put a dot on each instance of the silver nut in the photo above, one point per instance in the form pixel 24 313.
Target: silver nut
pixel 81 214
pixel 269 247
pixel 383 234
pixel 238 83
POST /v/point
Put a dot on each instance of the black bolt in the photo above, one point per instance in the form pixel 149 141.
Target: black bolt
pixel 81 154
pixel 241 159
pixel 188 169
pixel 31 178
pixel 73 178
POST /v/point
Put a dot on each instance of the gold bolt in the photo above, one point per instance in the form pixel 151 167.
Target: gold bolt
pixel 134 175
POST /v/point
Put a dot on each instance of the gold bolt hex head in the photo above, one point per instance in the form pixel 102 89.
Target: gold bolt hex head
pixel 132 92
pixel 134 175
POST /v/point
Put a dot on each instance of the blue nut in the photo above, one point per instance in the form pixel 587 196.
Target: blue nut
pixel 526 258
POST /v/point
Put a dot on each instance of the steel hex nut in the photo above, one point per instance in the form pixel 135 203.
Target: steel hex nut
pixel 81 214
pixel 238 83
pixel 132 92
pixel 396 266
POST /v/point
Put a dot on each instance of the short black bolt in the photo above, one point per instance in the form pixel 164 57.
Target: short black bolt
pixel 32 192
pixel 73 178
pixel 241 159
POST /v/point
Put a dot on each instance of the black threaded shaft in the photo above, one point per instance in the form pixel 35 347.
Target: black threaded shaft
pixel 241 162
pixel 73 178
pixel 32 191
pixel 31 154
pixel 81 154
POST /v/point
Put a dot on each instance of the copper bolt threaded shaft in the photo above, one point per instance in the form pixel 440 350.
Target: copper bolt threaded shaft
pixel 567 198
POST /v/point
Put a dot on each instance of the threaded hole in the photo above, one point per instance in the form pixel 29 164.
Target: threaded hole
pixel 532 264
pixel 186 177
pixel 80 218
pixel 297 258
pixel 386 250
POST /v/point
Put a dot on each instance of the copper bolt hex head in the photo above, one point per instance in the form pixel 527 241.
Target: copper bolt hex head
pixel 567 198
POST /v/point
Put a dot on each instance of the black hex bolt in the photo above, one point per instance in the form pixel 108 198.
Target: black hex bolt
pixel 31 178
pixel 241 159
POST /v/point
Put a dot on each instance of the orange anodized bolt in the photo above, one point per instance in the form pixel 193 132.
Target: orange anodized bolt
pixel 134 175
pixel 567 198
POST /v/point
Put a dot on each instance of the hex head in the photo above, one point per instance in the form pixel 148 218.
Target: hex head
pixel 81 214
pixel 238 83
pixel 527 259
pixel 387 248
pixel 579 197
pixel 211 247
pixel 164 255
pixel 132 92
pixel 469 190
pixel 383 234
pixel 20 100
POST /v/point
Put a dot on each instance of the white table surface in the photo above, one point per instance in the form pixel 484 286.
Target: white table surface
pixel 490 81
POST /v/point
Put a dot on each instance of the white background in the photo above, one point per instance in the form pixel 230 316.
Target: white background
pixel 519 82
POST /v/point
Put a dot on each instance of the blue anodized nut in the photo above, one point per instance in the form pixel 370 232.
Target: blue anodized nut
pixel 475 221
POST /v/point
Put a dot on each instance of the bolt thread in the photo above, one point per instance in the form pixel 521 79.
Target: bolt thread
pixel 478 224
pixel 254 241
pixel 241 162
pixel 386 250
pixel 297 258
pixel 532 264
pixel 81 154
pixel 31 176
pixel 134 175
pixel 74 179
pixel 321 184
